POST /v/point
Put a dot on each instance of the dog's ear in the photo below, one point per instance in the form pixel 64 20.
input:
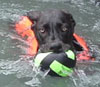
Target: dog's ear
pixel 73 23
pixel 70 18
pixel 33 15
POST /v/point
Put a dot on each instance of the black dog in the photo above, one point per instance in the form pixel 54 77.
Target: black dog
pixel 53 29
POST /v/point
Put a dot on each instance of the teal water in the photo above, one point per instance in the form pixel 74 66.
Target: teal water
pixel 16 71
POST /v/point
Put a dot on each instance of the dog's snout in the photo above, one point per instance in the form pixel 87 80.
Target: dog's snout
pixel 56 47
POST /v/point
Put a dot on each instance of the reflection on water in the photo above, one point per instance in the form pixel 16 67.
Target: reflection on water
pixel 15 67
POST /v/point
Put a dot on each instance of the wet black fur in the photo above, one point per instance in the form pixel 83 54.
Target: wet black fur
pixel 49 29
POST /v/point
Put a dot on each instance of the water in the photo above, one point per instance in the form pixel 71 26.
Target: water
pixel 17 71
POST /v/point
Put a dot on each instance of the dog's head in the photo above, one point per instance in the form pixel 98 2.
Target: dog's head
pixel 53 29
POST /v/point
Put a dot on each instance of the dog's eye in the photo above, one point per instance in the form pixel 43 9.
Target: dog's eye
pixel 64 29
pixel 42 30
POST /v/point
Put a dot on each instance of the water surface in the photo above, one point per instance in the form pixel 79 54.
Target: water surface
pixel 15 71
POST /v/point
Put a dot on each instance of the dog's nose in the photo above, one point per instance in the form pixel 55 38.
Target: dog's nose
pixel 56 47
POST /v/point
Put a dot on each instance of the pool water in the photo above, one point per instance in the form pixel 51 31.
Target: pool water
pixel 16 69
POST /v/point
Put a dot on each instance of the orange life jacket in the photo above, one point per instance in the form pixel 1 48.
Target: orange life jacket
pixel 23 28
